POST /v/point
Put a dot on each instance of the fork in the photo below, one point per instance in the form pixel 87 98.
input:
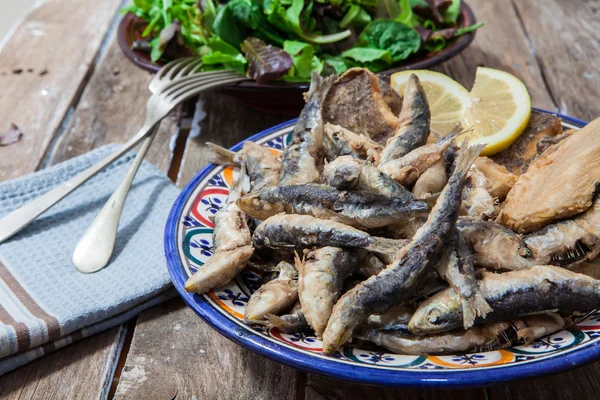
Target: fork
pixel 174 83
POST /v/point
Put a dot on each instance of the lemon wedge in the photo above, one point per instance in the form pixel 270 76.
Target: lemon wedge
pixel 448 100
pixel 499 111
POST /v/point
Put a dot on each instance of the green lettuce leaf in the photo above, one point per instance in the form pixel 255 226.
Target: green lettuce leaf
pixel 303 59
pixel 399 39
pixel 451 13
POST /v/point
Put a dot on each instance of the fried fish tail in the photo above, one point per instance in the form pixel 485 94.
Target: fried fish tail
pixel 219 269
pixel 221 156
pixel 319 87
pixel 473 308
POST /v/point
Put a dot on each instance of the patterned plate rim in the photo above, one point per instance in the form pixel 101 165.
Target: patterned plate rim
pixel 269 348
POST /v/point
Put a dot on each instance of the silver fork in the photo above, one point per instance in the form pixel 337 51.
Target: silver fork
pixel 175 83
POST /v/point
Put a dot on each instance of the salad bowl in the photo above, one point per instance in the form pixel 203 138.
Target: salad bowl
pixel 283 97
pixel 188 244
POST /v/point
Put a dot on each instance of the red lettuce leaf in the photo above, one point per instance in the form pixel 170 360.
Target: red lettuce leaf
pixel 267 63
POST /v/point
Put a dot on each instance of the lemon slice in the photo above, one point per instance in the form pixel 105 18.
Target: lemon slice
pixel 448 100
pixel 499 111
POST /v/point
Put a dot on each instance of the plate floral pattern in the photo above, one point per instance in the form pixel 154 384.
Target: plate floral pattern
pixel 192 230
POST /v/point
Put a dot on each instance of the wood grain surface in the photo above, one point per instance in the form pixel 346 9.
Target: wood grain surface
pixel 44 66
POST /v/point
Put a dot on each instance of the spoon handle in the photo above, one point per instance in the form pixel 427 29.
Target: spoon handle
pixel 95 247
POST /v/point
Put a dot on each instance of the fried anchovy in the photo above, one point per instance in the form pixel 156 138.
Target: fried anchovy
pixel 458 270
pixel 407 169
pixel 293 322
pixel 477 201
pixel 262 165
pixel 321 276
pixel 399 280
pixel 511 295
pixel 340 141
pixel 356 208
pixel 233 245
pixel 347 173
pixel 480 338
pixel 290 231
pixel 274 296
pixel 494 246
pixel 568 242
pixel 413 127
pixel 301 159
pixel 431 181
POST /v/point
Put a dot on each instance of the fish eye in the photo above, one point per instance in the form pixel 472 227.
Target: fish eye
pixel 434 317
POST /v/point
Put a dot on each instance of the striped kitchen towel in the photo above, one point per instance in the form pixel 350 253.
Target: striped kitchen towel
pixel 45 304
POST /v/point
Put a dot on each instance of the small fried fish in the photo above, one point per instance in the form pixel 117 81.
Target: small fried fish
pixel 293 322
pixel 511 295
pixel 340 141
pixel 300 163
pixel 458 270
pixel 274 296
pixel 297 232
pixel 233 245
pixel 413 125
pixel 494 246
pixel 477 201
pixel 431 181
pixel 321 276
pixel 407 169
pixel 347 173
pixel 361 209
pixel 262 165
pixel 499 180
pixel 399 280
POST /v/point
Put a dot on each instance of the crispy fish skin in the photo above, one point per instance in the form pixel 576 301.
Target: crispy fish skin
pixel 494 246
pixel 274 296
pixel 568 242
pixel 499 180
pixel 559 184
pixel 477 201
pixel 321 276
pixel 398 281
pixel 262 165
pixel 458 270
pixel 407 169
pixel 347 173
pixel 339 141
pixel 511 295
pixel 233 245
pixel 290 231
pixel 300 160
pixel 431 181
pixel 413 126
pixel 488 337
pixel 356 102
pixel 361 209
pixel 519 155
pixel 390 96
pixel 293 322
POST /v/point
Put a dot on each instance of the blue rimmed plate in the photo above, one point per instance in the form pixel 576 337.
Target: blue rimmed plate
pixel 188 244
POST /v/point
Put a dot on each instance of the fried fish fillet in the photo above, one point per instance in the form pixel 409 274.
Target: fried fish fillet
pixel 559 184
pixel 356 102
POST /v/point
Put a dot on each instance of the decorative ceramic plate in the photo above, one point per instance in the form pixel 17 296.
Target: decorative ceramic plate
pixel 188 244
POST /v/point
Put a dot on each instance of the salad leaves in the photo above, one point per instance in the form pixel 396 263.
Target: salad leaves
pixel 288 39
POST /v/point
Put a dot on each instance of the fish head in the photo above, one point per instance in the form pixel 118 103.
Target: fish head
pixel 256 206
pixel 436 314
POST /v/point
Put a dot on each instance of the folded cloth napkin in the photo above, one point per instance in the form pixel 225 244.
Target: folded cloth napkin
pixel 46 304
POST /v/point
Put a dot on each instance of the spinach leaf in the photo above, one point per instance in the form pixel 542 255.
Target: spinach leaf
pixel 226 26
pixel 303 58
pixel 338 63
pixel 367 55
pixel 399 39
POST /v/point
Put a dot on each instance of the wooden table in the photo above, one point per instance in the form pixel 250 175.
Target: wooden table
pixel 66 85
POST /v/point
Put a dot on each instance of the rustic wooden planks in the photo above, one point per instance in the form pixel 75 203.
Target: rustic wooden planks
pixel 565 37
pixel 105 114
pixel 82 370
pixel 43 67
pixel 174 353
pixel 501 43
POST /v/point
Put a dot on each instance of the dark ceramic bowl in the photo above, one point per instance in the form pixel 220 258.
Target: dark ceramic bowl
pixel 282 97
